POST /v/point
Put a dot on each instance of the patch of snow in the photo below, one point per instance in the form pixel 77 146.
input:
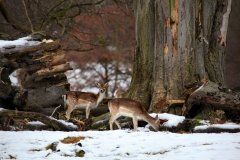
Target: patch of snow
pixel 13 78
pixel 36 123
pixel 201 127
pixel 65 122
pixel 226 126
pixel 205 122
pixel 19 42
pixel 173 120
pixel 77 71
pixel 222 126
pixel 2 109
pixel 68 123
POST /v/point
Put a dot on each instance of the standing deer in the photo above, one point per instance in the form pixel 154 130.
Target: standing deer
pixel 75 99
pixel 130 108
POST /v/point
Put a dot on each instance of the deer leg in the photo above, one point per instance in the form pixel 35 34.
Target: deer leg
pixel 116 122
pixel 69 107
pixel 113 119
pixel 88 108
pixel 69 111
pixel 135 123
pixel 111 122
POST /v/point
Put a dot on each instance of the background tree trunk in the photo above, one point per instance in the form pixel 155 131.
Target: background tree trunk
pixel 177 42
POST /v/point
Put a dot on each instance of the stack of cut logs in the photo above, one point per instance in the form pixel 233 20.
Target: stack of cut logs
pixel 40 73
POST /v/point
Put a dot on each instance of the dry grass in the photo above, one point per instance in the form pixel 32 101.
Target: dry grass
pixel 69 140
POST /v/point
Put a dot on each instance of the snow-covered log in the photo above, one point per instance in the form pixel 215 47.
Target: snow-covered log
pixel 10 118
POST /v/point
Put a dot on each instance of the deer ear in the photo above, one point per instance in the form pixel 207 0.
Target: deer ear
pixel 106 84
pixel 97 84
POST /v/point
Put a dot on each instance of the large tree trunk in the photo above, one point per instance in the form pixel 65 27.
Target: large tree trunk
pixel 177 42
pixel 140 88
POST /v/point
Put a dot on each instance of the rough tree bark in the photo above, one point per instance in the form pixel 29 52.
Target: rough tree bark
pixel 177 42
pixel 140 88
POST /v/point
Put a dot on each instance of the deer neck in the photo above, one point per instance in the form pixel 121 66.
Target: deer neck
pixel 146 117
pixel 100 97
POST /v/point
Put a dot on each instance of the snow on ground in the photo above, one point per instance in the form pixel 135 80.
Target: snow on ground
pixel 122 144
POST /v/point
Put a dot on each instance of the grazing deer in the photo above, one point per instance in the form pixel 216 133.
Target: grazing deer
pixel 120 93
pixel 75 99
pixel 130 108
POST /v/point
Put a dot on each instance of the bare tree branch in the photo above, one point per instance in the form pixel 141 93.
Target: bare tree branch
pixel 11 20
pixel 26 12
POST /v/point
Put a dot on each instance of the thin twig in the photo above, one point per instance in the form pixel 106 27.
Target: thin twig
pixel 55 110
pixel 29 20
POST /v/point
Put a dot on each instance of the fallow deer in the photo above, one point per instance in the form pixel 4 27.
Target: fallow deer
pixel 130 108
pixel 119 93
pixel 86 100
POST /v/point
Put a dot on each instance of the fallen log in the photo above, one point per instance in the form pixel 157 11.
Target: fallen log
pixel 7 119
pixel 17 51
pixel 212 94
pixel 216 130
pixel 31 80
pixel 219 105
